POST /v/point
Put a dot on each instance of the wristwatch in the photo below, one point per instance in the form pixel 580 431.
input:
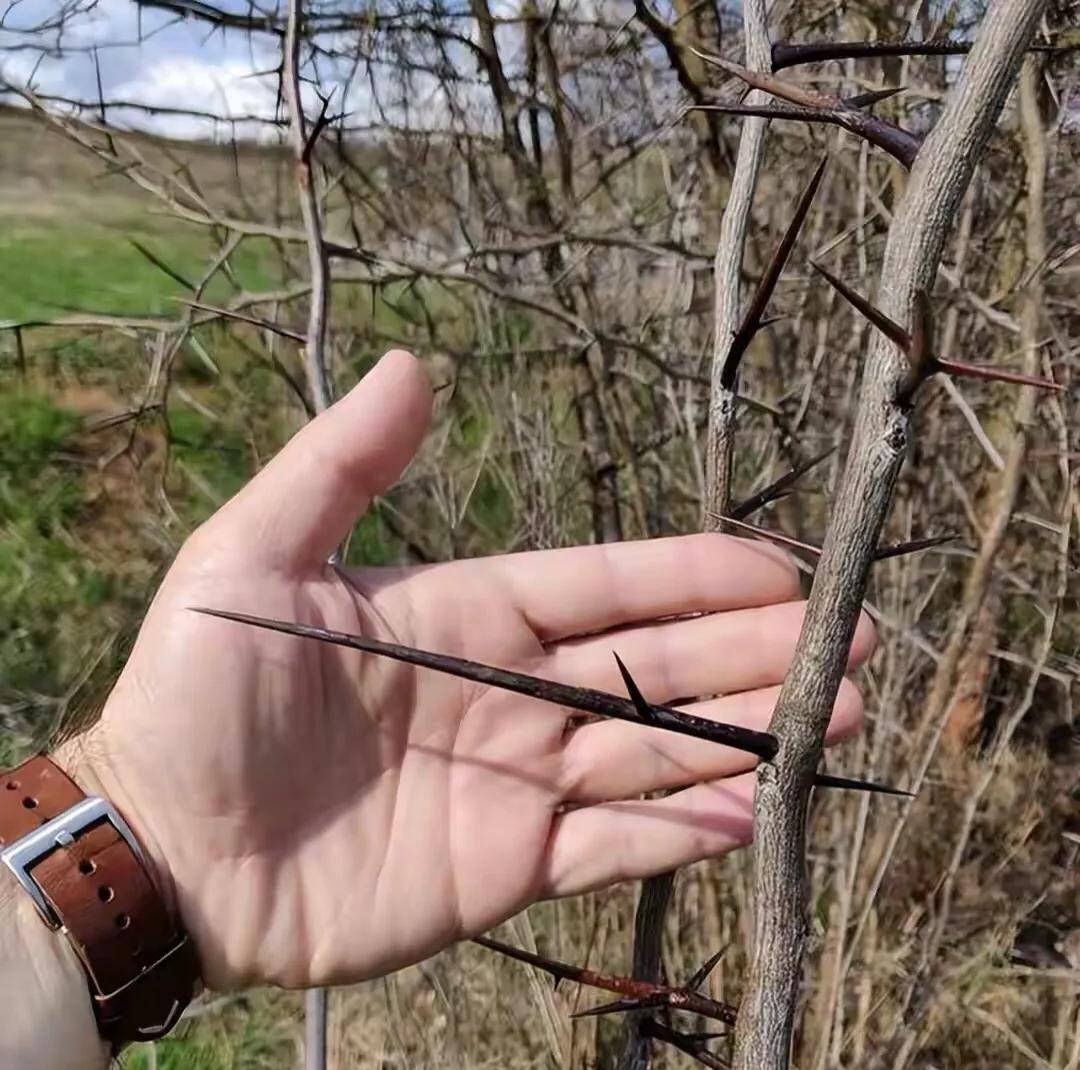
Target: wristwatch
pixel 82 867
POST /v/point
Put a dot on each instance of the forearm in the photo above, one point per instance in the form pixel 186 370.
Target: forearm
pixel 48 1022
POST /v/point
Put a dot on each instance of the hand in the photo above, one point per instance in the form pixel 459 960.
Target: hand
pixel 324 816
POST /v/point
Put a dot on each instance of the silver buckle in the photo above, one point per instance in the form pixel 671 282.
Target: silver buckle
pixel 61 831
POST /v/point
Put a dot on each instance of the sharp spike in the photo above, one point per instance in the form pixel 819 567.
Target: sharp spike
pixel 751 322
pixel 890 328
pixel 632 689
pixel 765 533
pixel 559 970
pixel 586 699
pixel 778 488
pixel 1001 375
pixel 888 136
pixel 913 547
pixel 789 54
pixel 771 111
pixel 827 780
pixel 777 87
pixel 875 96
pixel 700 975
pixel 620 1006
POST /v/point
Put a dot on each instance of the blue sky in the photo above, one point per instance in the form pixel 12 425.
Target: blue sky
pixel 146 56
pixel 152 57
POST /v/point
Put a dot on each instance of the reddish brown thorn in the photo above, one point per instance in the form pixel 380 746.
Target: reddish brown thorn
pixel 585 699
pixel 1001 375
pixel 778 488
pixel 889 327
pixel 827 780
pixel 886 135
pixel 751 322
pixel 636 994
pixel 912 547
pixel 766 533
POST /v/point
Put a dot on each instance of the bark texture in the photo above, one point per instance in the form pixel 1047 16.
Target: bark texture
pixel 916 237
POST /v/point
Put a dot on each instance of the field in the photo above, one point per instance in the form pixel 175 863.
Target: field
pixel 114 446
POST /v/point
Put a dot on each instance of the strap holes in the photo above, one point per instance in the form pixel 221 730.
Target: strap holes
pixel 30 802
pixel 13 785
pixel 105 893
pixel 86 867
pixel 123 921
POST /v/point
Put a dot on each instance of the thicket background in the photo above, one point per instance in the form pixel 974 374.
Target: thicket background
pixel 534 214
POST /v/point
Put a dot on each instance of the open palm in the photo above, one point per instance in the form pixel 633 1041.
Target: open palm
pixel 321 815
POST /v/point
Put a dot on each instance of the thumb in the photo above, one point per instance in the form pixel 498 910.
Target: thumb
pixel 307 499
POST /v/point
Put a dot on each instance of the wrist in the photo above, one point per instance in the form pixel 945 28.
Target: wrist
pixel 96 767
pixel 48 1017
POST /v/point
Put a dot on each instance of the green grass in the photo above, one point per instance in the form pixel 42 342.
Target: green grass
pixel 49 267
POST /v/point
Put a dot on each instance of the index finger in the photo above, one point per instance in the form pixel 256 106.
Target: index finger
pixel 587 589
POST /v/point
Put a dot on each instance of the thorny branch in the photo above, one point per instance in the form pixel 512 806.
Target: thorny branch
pixel 940 174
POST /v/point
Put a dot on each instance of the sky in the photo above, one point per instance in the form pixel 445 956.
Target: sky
pixel 149 56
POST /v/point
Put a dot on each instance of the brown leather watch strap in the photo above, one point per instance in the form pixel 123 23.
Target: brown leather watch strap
pixel 141 967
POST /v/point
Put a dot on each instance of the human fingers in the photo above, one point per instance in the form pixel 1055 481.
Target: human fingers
pixel 594 588
pixel 601 845
pixel 719 653
pixel 616 760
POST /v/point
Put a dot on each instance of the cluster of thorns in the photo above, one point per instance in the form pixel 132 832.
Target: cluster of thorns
pixel 806 105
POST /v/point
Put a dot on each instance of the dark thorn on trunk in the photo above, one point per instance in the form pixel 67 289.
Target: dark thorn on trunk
pixel 889 327
pixel 692 1044
pixel 827 780
pixel 778 488
pixel 585 699
pixel 912 547
pixel 874 96
pixel 751 322
pixel 701 974
pixel 789 54
pixel 766 533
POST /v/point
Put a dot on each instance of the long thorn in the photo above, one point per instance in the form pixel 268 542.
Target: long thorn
pixel 635 993
pixel 827 780
pixel 689 1044
pixel 766 533
pixel 912 547
pixel 585 699
pixel 1001 375
pixel 788 53
pixel 874 96
pixel 889 327
pixel 700 975
pixel 886 135
pixel 777 488
pixel 751 322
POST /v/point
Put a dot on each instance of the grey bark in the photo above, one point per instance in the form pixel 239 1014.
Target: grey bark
pixel 656 892
pixel 921 223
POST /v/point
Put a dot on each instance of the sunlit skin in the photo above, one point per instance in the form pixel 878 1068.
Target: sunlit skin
pixel 318 815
